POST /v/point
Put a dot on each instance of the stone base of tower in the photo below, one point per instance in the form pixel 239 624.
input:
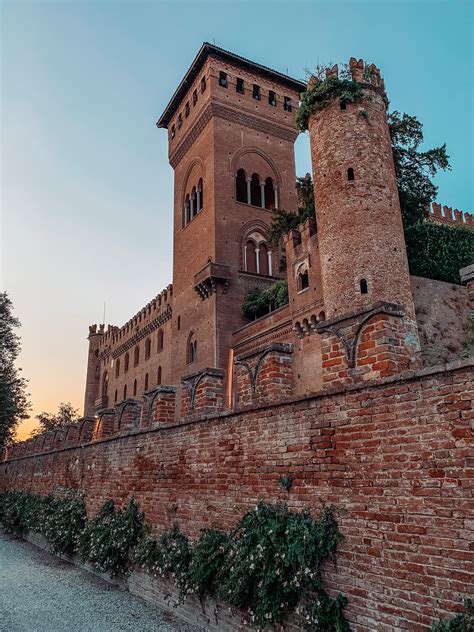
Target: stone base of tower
pixel 367 344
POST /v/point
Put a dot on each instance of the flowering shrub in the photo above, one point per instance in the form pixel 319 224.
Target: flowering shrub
pixel 269 565
pixel 62 522
pixel 108 538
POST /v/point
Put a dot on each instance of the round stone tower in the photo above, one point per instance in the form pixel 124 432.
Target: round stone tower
pixel 360 231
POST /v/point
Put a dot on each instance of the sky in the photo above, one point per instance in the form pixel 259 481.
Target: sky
pixel 85 188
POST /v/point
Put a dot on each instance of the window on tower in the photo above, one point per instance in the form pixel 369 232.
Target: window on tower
pixel 203 84
pixel 255 190
pixel 180 121
pixel 287 104
pixel 350 174
pixel 272 100
pixel 239 86
pixel 195 97
pixel 256 92
pixel 186 109
pixel 364 288
pixel 241 187
pixel 173 132
pixel 302 280
pixel 191 351
pixel 126 362
pixel 223 79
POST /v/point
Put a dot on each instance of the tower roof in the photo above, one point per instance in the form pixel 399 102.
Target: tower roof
pixel 210 49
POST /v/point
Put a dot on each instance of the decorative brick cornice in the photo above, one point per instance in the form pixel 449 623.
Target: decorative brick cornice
pixel 234 116
pixel 191 137
pixel 249 120
pixel 143 333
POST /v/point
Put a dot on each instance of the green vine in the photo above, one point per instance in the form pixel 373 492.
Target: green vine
pixel 321 93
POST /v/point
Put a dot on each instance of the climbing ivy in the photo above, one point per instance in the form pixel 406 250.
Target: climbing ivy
pixel 320 93
pixel 462 622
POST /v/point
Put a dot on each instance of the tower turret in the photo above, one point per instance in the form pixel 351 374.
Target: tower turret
pixel 360 231
pixel 370 329
pixel 93 369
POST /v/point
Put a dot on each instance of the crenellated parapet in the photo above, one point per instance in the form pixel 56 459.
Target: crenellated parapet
pixel 449 216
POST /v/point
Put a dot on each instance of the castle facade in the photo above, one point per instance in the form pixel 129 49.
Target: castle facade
pixel 231 131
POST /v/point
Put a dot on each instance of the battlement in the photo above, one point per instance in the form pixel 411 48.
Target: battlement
pixel 451 217
pixel 359 71
pixel 160 304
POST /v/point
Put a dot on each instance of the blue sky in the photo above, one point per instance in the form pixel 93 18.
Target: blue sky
pixel 86 189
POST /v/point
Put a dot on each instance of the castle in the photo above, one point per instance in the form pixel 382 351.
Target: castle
pixel 356 390
pixel 231 130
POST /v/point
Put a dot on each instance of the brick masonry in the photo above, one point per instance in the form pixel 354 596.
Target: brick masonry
pixel 394 456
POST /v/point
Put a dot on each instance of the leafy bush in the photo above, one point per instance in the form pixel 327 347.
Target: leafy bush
pixel 209 553
pixel 20 512
pixel 170 555
pixel 108 538
pixel 274 560
pixel 438 252
pixel 62 522
pixel 462 622
pixel 261 302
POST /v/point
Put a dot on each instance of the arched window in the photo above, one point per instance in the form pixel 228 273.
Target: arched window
pixel 195 97
pixel 255 190
pixel 269 194
pixel 160 340
pixel 364 288
pixel 193 203
pixel 146 381
pixel 191 352
pixel 147 348
pixel 125 392
pixel 173 132
pixel 263 259
pixel 134 387
pixel 350 174
pixel 241 187
pixel 180 121
pixel 136 356
pixel 126 362
pixel 158 379
pixel 186 109
pixel 250 256
pixel 115 396
pixel 321 317
pixel 117 368
pixel 203 84
pixel 105 384
pixel 302 279
pixel 200 193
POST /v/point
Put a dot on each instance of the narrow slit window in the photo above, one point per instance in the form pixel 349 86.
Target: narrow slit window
pixel 186 110
pixel 180 121
pixel 364 288
pixel 350 174
pixel 195 97
pixel 173 132
pixel 203 84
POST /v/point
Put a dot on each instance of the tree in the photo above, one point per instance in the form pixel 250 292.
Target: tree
pixel 413 167
pixel 283 221
pixel 66 414
pixel 14 404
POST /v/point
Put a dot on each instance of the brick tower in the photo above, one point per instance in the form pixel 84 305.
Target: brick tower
pixel 93 368
pixel 231 129
pixel 361 243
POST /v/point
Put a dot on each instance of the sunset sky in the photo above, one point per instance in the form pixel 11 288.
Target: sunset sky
pixel 86 189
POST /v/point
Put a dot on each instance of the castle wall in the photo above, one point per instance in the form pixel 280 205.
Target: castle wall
pixel 442 317
pixel 394 456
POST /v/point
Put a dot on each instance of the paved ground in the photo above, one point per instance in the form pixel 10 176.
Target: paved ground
pixel 40 593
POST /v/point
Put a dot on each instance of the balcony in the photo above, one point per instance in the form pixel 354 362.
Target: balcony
pixel 101 402
pixel 210 277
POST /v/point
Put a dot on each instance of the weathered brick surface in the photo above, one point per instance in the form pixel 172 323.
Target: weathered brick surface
pixel 395 457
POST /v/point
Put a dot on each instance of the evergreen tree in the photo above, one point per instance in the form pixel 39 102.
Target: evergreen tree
pixel 14 402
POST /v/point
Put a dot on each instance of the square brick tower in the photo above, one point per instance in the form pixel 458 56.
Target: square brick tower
pixel 231 130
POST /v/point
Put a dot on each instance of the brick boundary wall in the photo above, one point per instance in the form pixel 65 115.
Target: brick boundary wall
pixel 395 456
